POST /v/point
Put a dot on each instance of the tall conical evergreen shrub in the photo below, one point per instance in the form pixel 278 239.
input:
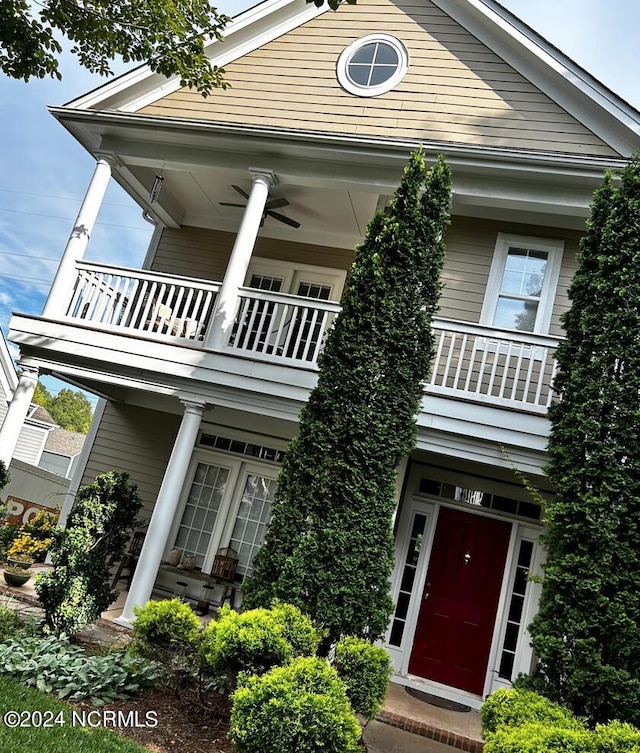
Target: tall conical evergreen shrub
pixel 587 633
pixel 329 545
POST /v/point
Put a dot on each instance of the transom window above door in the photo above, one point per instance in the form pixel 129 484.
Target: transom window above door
pixel 522 284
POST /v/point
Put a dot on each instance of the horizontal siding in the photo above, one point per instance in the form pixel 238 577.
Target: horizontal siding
pixel 470 247
pixel 30 444
pixel 137 441
pixel 196 252
pixel 456 89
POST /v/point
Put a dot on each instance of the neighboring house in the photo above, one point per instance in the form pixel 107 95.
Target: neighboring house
pixel 205 356
pixel 41 441
pixel 37 424
pixel 45 455
pixel 62 451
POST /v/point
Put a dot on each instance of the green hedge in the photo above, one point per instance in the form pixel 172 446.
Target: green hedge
pixel 513 708
pixel 617 737
pixel 248 642
pixel 365 670
pixel 521 721
pixel 537 737
pixel 166 625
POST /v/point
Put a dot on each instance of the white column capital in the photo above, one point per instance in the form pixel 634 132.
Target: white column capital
pixel 268 177
pixel 28 372
pixel 193 406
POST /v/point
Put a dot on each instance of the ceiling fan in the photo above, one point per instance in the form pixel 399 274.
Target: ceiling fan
pixel 268 208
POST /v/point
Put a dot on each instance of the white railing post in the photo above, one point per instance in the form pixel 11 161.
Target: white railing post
pixel 78 240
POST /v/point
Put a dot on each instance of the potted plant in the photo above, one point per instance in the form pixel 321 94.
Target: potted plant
pixel 17 576
pixel 27 549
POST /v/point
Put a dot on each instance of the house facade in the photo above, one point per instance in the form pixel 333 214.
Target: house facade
pixel 259 194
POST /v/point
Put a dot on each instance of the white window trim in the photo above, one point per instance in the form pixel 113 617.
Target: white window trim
pixel 209 458
pixel 372 91
pixel 246 470
pixel 555 250
pixel 239 469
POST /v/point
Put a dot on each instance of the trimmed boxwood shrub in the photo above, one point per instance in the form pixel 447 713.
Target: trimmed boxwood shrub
pixel 299 708
pixel 249 642
pixel 617 737
pixel 513 708
pixel 296 628
pixel 166 625
pixel 365 670
pixel 537 737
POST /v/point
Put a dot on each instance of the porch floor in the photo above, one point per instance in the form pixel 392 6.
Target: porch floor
pixel 405 724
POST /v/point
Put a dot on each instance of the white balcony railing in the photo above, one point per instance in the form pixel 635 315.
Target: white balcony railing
pixel 283 328
pixel 142 302
pixel 510 369
pixel 472 362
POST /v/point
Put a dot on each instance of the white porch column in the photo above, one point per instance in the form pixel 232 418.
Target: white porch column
pixel 227 298
pixel 15 416
pixel 163 513
pixel 79 239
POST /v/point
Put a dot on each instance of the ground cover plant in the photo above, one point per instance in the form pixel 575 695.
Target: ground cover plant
pixel 52 664
pixel 58 738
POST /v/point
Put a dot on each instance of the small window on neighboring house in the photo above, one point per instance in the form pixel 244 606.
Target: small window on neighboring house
pixel 522 284
pixel 372 65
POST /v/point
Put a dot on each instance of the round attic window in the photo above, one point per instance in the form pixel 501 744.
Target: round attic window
pixel 372 65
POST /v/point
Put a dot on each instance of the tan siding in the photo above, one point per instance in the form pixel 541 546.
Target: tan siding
pixel 456 89
pixel 196 252
pixel 135 440
pixel 470 248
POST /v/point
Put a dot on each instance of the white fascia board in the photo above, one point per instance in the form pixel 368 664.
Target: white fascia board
pixel 570 86
pixel 249 31
pixel 8 376
pixel 87 126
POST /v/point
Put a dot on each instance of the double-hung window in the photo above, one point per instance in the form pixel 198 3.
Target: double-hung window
pixel 522 284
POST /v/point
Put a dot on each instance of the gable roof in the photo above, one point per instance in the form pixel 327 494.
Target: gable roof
pixel 456 89
pixel 572 90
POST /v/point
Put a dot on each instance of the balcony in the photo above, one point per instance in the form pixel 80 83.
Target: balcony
pixel 472 363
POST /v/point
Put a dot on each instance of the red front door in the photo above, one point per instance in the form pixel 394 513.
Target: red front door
pixel 460 600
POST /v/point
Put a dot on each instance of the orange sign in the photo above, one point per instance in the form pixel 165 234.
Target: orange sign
pixel 19 511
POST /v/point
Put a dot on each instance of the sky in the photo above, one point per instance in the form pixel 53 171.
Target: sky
pixel 44 173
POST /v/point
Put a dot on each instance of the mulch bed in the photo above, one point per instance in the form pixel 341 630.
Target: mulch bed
pixel 183 726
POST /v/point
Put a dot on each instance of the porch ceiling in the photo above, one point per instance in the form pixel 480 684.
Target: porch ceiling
pixel 333 184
